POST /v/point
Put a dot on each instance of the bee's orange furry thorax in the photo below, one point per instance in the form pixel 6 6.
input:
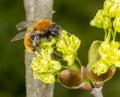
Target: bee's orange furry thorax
pixel 41 25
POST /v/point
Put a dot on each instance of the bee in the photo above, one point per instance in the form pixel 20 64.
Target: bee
pixel 35 32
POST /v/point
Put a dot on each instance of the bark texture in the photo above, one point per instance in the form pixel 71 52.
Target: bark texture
pixel 97 92
pixel 35 10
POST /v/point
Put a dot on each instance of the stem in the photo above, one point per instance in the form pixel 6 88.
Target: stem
pixel 97 92
pixel 78 60
pixel 108 35
pixel 114 35
pixel 105 34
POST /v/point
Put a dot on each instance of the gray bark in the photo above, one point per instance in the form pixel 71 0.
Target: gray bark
pixel 97 92
pixel 35 10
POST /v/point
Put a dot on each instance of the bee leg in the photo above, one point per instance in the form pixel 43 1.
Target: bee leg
pixel 34 40
pixel 37 40
pixel 31 40
pixel 53 56
pixel 37 49
pixel 53 33
pixel 46 37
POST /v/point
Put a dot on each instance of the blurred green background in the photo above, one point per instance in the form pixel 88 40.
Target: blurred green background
pixel 72 15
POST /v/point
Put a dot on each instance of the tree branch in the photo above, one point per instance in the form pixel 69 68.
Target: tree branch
pixel 36 9
pixel 97 92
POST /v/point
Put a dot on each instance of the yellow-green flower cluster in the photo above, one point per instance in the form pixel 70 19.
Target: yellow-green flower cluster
pixel 43 66
pixel 107 18
pixel 110 53
pixel 99 67
pixel 112 8
pixel 47 64
pixel 116 24
pixel 68 46
pixel 108 57
pixel 101 20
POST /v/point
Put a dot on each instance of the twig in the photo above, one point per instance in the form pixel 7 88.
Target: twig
pixel 36 9
pixel 97 92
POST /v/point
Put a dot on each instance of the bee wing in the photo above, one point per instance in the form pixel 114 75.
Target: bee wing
pixel 37 32
pixel 20 35
pixel 24 24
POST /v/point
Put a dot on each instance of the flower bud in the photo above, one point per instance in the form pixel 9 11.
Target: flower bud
pixel 85 82
pixel 99 70
pixel 70 78
pixel 98 80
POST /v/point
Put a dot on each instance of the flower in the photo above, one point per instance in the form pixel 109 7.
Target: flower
pixel 47 78
pixel 110 52
pixel 104 56
pixel 111 8
pixel 68 46
pixel 101 20
pixel 116 24
pixel 99 67
pixel 44 67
